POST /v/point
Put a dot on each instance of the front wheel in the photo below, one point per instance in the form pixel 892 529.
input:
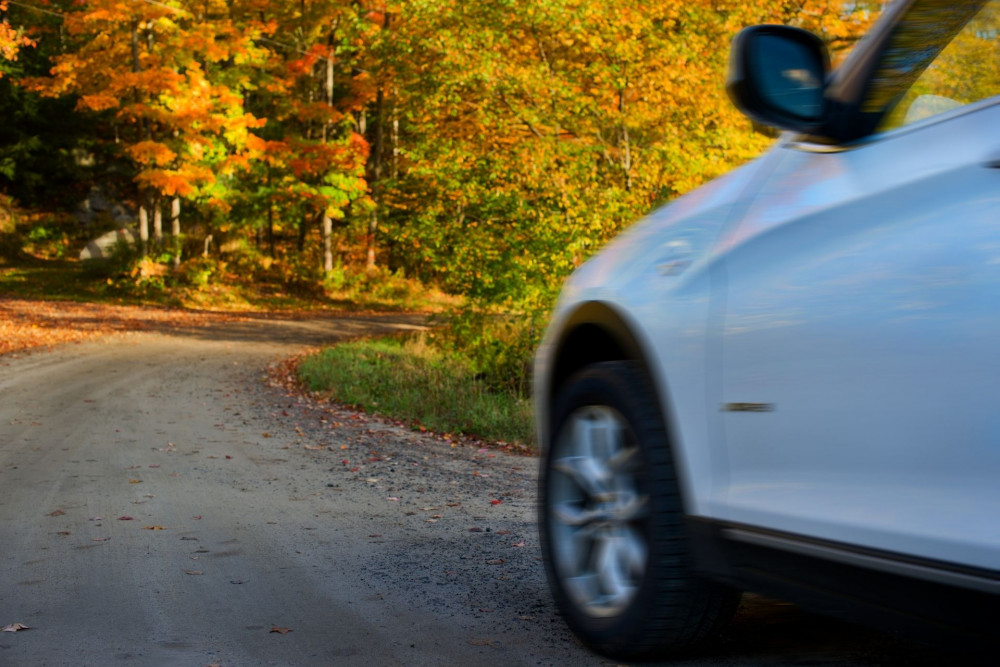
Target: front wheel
pixel 611 522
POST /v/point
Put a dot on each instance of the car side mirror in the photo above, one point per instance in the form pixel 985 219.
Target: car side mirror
pixel 777 77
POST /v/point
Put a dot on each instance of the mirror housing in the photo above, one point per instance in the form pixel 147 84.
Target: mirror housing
pixel 777 77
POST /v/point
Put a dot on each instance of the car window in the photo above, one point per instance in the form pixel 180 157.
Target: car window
pixel 946 54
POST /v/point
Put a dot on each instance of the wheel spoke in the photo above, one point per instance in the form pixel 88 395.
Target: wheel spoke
pixel 611 569
pixel 633 552
pixel 625 459
pixel 586 472
pixel 635 509
pixel 572 514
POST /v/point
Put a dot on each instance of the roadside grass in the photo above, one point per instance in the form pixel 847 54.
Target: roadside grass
pixel 413 380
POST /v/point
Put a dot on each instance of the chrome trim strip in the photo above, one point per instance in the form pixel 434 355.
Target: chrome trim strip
pixel 871 562
pixel 748 407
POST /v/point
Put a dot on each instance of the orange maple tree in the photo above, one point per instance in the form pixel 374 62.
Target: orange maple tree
pixel 172 76
pixel 11 39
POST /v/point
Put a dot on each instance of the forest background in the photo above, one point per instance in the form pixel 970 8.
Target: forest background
pixel 375 151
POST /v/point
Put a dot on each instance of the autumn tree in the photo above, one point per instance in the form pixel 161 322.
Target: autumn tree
pixel 171 75
pixel 310 89
pixel 12 39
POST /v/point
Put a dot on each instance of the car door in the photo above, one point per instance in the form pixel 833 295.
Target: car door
pixel 860 338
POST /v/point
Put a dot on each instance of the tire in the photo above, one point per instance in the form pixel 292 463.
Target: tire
pixel 612 523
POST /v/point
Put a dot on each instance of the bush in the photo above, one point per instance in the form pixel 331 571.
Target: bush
pixel 410 378
pixel 501 347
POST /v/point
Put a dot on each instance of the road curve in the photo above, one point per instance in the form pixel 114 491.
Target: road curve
pixel 160 504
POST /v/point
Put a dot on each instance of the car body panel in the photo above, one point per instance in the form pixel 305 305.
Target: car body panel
pixel 861 303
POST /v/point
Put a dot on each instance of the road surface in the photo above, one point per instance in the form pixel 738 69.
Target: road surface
pixel 162 503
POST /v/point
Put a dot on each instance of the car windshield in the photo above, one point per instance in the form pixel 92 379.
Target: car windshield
pixel 930 62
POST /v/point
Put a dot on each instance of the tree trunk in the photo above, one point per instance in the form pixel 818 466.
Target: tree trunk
pixel 327 244
pixel 175 230
pixel 270 226
pixel 143 229
pixel 625 143
pixel 157 224
pixel 303 230
pixel 375 164
pixel 375 175
pixel 327 128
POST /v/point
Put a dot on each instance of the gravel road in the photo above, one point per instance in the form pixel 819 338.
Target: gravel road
pixel 162 503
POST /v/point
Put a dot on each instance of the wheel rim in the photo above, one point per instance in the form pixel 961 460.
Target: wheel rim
pixel 596 510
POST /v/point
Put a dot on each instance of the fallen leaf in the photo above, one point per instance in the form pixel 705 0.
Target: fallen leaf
pixel 193 572
pixel 475 529
pixel 281 631
pixel 63 532
pixel 496 561
pixel 135 481
pixel 155 465
pixel 526 618
pixel 14 627
pixel 375 535
pixel 197 518
pixel 125 518
pixel 153 528
pixel 392 498
pixel 99 539
pixel 518 544
pixel 313 447
pixel 495 502
pixel 57 513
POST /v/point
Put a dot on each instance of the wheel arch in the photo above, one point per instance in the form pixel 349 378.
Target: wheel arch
pixel 595 332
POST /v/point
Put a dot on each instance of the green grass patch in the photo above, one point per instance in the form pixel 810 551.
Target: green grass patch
pixel 410 379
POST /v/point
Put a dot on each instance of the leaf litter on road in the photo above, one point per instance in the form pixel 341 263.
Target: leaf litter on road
pixel 14 627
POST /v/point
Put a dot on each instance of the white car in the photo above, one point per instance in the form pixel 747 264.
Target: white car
pixel 788 381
